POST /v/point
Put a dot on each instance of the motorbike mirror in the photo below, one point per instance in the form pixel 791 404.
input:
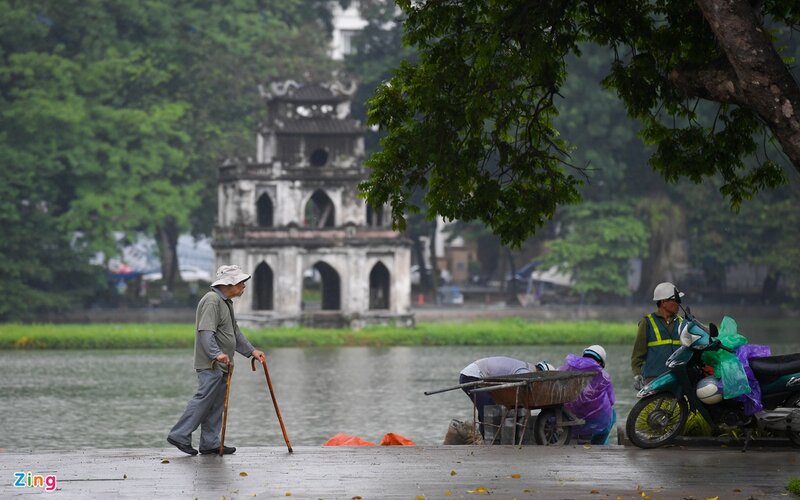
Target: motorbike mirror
pixel 714 331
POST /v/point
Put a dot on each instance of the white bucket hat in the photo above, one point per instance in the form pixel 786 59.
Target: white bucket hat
pixel 230 275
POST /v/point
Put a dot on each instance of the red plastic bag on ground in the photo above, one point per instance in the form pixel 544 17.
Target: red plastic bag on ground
pixel 392 439
pixel 342 439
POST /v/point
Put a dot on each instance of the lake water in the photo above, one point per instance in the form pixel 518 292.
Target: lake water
pixel 131 398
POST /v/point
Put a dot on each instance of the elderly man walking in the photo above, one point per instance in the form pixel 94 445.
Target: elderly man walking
pixel 217 336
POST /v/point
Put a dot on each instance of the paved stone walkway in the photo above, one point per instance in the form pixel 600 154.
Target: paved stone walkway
pixel 569 472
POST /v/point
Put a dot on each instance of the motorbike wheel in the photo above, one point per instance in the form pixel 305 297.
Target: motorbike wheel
pixel 794 437
pixel 546 432
pixel 656 420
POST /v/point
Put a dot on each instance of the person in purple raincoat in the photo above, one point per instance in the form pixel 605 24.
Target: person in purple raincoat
pixel 595 405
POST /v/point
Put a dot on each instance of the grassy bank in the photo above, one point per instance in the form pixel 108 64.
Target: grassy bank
pixel 159 335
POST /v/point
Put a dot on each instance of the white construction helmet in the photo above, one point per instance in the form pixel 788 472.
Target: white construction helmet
pixel 666 290
pixel 544 366
pixel 709 390
pixel 597 353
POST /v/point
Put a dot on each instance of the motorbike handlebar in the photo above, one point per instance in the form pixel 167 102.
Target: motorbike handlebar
pixel 722 346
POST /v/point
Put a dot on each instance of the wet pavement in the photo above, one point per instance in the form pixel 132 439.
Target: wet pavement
pixel 568 472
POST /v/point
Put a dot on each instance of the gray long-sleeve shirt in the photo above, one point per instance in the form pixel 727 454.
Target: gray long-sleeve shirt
pixel 209 344
pixel 217 331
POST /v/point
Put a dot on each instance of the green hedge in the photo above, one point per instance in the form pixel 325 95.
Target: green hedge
pixel 161 335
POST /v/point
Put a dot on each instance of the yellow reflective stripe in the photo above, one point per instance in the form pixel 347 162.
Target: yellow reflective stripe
pixel 659 340
pixel 664 342
pixel 655 330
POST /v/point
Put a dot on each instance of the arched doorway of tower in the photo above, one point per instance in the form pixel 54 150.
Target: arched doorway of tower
pixel 263 285
pixel 264 210
pixel 322 288
pixel 379 281
pixel 319 211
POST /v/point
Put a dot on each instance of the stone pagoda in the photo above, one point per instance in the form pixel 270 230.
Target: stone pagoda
pixel 319 254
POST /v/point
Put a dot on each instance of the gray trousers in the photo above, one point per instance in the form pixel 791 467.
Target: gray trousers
pixel 204 410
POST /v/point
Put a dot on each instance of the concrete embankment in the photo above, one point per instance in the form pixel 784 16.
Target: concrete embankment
pixel 569 472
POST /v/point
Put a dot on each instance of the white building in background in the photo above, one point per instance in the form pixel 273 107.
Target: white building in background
pixel 319 255
pixel 195 257
pixel 346 24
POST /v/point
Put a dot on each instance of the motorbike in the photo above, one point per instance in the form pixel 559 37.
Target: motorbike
pixel 666 401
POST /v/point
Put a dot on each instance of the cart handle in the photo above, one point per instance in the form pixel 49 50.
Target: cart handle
pixel 501 386
pixel 459 386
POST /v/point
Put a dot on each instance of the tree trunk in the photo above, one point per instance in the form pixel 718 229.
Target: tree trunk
pixel 754 76
pixel 665 222
pixel 434 262
pixel 512 265
pixel 769 289
pixel 488 256
pixel 424 277
pixel 167 240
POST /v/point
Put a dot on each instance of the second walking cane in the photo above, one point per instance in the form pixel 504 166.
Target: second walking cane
pixel 274 401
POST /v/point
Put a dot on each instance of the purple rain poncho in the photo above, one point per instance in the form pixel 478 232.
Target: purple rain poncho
pixel 752 401
pixel 595 403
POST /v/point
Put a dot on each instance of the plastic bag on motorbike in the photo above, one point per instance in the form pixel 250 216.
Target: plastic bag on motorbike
pixel 727 366
pixel 752 400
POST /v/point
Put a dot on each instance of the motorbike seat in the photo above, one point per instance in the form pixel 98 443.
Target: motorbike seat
pixel 769 368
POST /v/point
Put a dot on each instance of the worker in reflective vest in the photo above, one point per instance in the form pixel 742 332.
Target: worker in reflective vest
pixel 658 336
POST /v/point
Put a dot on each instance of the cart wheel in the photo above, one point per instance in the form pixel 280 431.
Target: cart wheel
pixel 546 432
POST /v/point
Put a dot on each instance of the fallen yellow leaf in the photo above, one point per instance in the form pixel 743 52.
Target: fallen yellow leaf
pixel 712 498
pixel 165 461
pixel 356 497
pixel 288 493
pixel 594 492
pixel 243 474
pixel 737 490
pixel 587 447
pixel 448 493
pixel 480 490
pixel 419 497
pixel 452 473
pixel 516 476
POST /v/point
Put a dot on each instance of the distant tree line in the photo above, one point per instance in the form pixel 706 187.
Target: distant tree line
pixel 115 115
pixel 604 132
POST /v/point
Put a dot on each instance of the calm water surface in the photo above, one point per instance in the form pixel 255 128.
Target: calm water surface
pixel 131 398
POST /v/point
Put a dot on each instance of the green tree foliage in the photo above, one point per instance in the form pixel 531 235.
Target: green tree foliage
pixel 472 123
pixel 115 114
pixel 766 232
pixel 600 240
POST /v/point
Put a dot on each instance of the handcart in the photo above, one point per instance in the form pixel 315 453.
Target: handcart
pixel 544 391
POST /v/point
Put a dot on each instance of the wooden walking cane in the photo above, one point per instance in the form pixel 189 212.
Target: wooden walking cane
pixel 225 409
pixel 274 401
